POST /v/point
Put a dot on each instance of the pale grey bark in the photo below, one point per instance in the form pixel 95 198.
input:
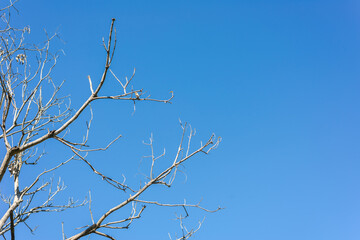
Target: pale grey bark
pixel 28 119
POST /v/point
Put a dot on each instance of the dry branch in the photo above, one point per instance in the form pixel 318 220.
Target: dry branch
pixel 32 112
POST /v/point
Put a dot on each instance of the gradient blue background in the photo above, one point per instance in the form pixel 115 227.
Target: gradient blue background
pixel 277 80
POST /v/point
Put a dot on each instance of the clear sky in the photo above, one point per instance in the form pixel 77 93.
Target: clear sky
pixel 277 80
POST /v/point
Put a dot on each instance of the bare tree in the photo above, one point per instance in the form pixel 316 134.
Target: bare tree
pixel 32 113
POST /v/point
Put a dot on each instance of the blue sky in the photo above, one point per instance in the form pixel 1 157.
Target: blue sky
pixel 277 80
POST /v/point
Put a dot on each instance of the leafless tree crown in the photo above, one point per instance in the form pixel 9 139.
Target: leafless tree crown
pixel 32 112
